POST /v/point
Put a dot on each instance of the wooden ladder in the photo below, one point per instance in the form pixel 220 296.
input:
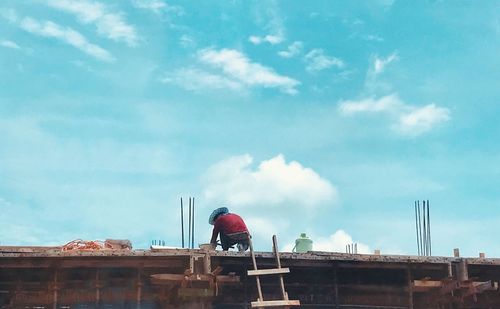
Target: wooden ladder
pixel 284 302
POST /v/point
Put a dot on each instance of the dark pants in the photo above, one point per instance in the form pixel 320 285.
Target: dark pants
pixel 229 240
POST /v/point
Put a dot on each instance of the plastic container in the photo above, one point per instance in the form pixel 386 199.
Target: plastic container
pixel 303 244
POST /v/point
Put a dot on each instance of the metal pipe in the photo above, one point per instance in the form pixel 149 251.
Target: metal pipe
pixel 182 223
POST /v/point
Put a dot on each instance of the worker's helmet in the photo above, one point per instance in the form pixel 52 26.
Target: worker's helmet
pixel 216 213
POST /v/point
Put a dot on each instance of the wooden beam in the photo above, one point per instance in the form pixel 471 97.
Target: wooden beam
pixel 96 262
pixel 429 284
pixel 271 271
pixel 177 278
pixel 275 303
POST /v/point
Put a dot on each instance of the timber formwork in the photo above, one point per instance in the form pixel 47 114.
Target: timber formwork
pixel 44 277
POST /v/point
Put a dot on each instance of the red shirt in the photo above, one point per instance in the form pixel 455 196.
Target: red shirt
pixel 228 224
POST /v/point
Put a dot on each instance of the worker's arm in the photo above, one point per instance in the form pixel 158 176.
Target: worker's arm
pixel 215 233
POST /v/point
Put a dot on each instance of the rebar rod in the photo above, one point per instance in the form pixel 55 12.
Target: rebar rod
pixel 416 229
pixel 189 227
pixel 192 234
pixel 425 227
pixel 182 223
pixel 429 227
pixel 419 228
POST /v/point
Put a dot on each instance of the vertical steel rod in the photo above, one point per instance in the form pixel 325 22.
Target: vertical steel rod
pixel 189 227
pixel 182 223
pixel 419 227
pixel 429 227
pixel 192 234
pixel 425 228
pixel 416 229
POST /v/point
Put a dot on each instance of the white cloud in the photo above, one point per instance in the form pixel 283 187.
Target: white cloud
pixel 158 6
pixel 271 39
pixel 336 242
pixel 373 82
pixel 153 5
pixel 274 182
pixel 423 119
pixel 410 120
pixel 317 60
pixel 110 25
pixel 65 34
pixel 269 18
pixel 237 66
pixel 186 41
pixel 193 79
pixel 373 37
pixel 389 103
pixel 9 14
pixel 380 63
pixel 263 228
pixel 293 50
pixel 9 44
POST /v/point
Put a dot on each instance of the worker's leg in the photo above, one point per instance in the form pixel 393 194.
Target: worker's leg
pixel 243 245
pixel 225 241
pixel 242 239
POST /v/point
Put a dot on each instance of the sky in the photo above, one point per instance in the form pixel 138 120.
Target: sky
pixel 325 117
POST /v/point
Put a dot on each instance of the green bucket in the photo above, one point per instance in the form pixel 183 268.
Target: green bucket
pixel 303 244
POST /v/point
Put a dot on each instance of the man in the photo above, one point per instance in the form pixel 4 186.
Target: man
pixel 231 227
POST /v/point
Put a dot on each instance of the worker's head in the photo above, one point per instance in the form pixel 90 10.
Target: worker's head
pixel 216 213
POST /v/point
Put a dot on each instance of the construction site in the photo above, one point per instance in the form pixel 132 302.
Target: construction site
pixel 48 277
pixel 111 274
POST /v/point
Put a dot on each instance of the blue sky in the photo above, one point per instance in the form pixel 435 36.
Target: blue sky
pixel 323 117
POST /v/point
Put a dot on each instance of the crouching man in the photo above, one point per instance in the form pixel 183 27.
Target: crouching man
pixel 232 229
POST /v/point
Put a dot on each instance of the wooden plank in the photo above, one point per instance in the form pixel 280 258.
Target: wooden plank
pixel 480 287
pixel 172 278
pixel 271 271
pixel 275 303
pixel 427 284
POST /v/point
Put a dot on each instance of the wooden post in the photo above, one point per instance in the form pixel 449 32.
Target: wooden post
pixel 207 267
pixel 278 264
pixel 259 290
pixel 56 288
pixel 462 273
pixel 139 288
pixel 336 287
pixel 410 288
pixel 97 288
